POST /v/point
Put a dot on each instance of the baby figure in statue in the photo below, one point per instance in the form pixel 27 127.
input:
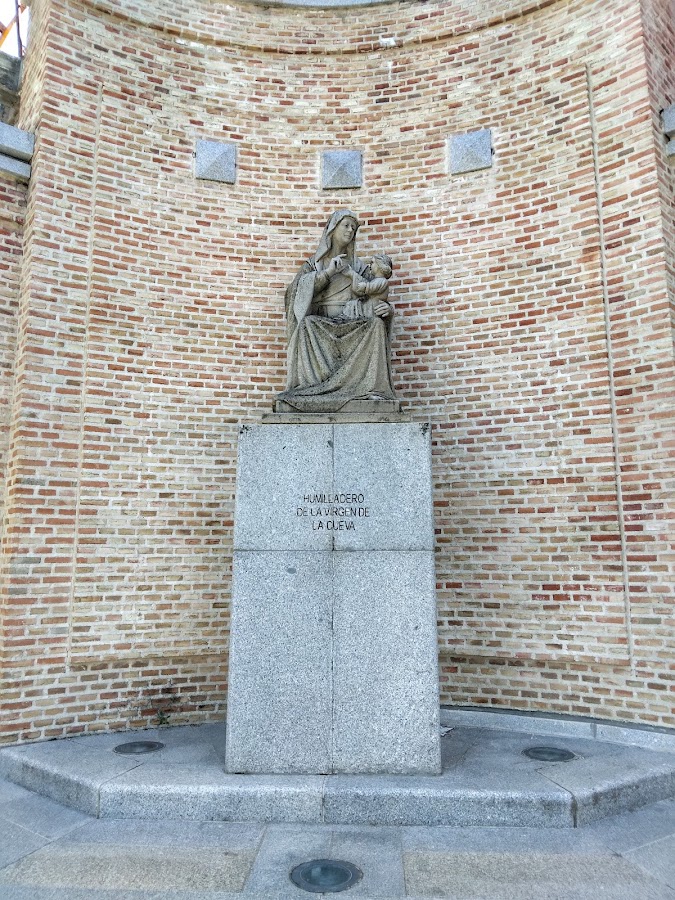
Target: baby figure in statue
pixel 370 295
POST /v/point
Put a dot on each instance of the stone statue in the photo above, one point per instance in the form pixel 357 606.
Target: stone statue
pixel 339 325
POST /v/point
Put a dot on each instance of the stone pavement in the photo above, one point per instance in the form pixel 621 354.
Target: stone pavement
pixel 494 826
pixel 51 852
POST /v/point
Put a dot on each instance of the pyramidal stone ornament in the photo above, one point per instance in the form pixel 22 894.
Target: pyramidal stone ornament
pixel 470 152
pixel 341 169
pixel 216 161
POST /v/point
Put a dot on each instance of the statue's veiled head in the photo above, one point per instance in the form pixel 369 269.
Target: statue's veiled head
pixel 339 235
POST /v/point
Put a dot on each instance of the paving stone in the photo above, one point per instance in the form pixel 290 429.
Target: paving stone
pixel 377 853
pixel 43 816
pixel 22 892
pixel 650 739
pixel 657 858
pixel 400 800
pixel 283 848
pixel 10 791
pixel 16 842
pixel 167 833
pixel 216 161
pixel 605 786
pixel 526 876
pixel 502 840
pixel 341 169
pixel 118 866
pixel 630 830
pixel 61 773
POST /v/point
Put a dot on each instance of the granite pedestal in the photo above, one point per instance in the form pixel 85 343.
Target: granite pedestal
pixel 333 656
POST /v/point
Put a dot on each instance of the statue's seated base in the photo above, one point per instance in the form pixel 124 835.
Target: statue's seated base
pixel 353 411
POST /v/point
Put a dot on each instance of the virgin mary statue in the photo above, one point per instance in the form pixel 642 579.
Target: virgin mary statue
pixel 338 351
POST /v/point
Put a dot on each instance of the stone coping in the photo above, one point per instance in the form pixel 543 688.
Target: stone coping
pixel 649 737
pixel 486 781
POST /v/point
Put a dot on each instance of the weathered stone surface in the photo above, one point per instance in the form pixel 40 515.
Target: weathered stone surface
pixel 333 659
pixel 279 710
pixel 668 119
pixel 100 866
pixel 385 672
pixel 390 465
pixel 339 327
pixel 15 168
pixel 341 169
pixel 324 4
pixel 343 487
pixel 216 161
pixel 359 410
pixel 470 152
pixel 335 418
pixel 16 143
pixel 277 466
pixel 10 74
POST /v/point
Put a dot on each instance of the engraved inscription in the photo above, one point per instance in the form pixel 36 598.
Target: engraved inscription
pixel 333 511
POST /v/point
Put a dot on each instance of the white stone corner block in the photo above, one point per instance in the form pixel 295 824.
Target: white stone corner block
pixel 16 143
pixel 14 168
pixel 216 161
pixel 341 169
pixel 470 152
pixel 668 120
pixel 670 148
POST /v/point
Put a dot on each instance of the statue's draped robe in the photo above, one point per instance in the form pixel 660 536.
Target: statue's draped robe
pixel 332 360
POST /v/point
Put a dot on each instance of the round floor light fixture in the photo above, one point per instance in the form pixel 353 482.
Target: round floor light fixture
pixel 325 876
pixel 135 748
pixel 549 754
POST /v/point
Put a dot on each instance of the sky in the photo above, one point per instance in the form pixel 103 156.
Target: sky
pixel 7 10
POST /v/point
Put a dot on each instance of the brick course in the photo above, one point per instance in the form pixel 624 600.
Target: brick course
pixel 533 329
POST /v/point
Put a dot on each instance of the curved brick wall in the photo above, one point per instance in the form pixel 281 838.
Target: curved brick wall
pixel 532 330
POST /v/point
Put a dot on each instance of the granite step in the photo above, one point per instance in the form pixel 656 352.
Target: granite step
pixel 486 781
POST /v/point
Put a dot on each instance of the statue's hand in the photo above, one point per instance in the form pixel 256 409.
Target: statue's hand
pixel 382 309
pixel 337 264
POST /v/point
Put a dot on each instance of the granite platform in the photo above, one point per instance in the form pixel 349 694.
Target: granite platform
pixel 486 780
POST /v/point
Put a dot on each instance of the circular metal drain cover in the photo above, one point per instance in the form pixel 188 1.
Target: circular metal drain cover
pixel 133 748
pixel 549 754
pixel 325 875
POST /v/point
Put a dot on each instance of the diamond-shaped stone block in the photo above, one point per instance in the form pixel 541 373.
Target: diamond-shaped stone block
pixel 670 148
pixel 668 119
pixel 341 169
pixel 216 161
pixel 470 152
